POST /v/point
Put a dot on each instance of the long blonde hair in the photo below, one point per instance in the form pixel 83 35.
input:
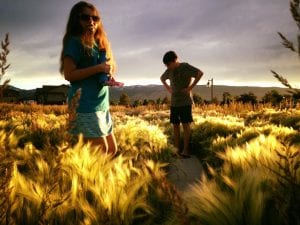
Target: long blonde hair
pixel 74 29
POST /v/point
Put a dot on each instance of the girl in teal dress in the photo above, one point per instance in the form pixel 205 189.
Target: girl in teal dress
pixel 88 64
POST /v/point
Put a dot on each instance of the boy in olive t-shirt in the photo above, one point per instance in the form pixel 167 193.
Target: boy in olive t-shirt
pixel 183 78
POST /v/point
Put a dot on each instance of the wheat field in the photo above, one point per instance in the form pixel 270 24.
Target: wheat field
pixel 250 156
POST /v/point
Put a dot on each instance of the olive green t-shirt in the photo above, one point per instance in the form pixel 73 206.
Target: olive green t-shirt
pixel 180 78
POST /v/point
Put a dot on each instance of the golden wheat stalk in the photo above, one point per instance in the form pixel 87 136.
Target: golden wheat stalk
pixel 3 63
pixel 5 172
pixel 170 193
pixel 73 107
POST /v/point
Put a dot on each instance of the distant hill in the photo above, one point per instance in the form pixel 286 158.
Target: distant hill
pixel 158 91
pixel 24 94
pixel 10 87
pixel 154 92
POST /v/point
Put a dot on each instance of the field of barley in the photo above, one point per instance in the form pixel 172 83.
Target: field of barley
pixel 250 155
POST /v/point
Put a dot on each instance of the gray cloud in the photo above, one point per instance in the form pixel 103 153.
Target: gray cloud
pixel 232 40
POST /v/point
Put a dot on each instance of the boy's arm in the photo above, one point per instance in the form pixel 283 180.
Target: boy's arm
pixel 167 86
pixel 195 81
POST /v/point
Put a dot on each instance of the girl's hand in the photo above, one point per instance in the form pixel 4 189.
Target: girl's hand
pixel 113 82
pixel 112 66
pixel 104 67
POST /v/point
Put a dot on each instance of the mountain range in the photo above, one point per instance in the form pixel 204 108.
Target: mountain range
pixel 158 91
pixel 141 92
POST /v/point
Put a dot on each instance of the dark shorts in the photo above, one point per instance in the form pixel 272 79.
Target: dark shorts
pixel 181 114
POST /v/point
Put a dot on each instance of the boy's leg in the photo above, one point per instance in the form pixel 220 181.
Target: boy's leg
pixel 186 137
pixel 186 119
pixel 176 128
pixel 174 119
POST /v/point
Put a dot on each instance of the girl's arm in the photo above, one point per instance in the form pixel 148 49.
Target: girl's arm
pixel 71 72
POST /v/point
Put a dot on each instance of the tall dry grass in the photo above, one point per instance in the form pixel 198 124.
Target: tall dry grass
pixel 251 161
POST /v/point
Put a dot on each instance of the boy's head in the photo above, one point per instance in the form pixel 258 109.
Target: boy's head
pixel 170 59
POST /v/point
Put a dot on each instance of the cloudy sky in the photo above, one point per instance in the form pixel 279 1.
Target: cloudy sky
pixel 235 42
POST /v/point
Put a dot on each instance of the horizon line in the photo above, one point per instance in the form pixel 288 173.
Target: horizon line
pixel 132 85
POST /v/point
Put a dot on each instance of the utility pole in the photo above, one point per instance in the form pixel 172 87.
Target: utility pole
pixel 210 83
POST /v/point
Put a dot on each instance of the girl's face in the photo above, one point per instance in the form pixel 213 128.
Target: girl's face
pixel 89 20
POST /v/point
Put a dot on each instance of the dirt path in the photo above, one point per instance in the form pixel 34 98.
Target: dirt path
pixel 184 172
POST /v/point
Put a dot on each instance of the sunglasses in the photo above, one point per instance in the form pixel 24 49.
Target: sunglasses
pixel 86 17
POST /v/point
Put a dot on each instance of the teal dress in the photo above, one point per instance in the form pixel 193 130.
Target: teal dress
pixel 92 114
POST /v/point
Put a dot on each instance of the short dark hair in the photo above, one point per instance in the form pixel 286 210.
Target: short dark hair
pixel 169 57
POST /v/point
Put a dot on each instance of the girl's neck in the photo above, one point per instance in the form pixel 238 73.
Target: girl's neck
pixel 88 39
